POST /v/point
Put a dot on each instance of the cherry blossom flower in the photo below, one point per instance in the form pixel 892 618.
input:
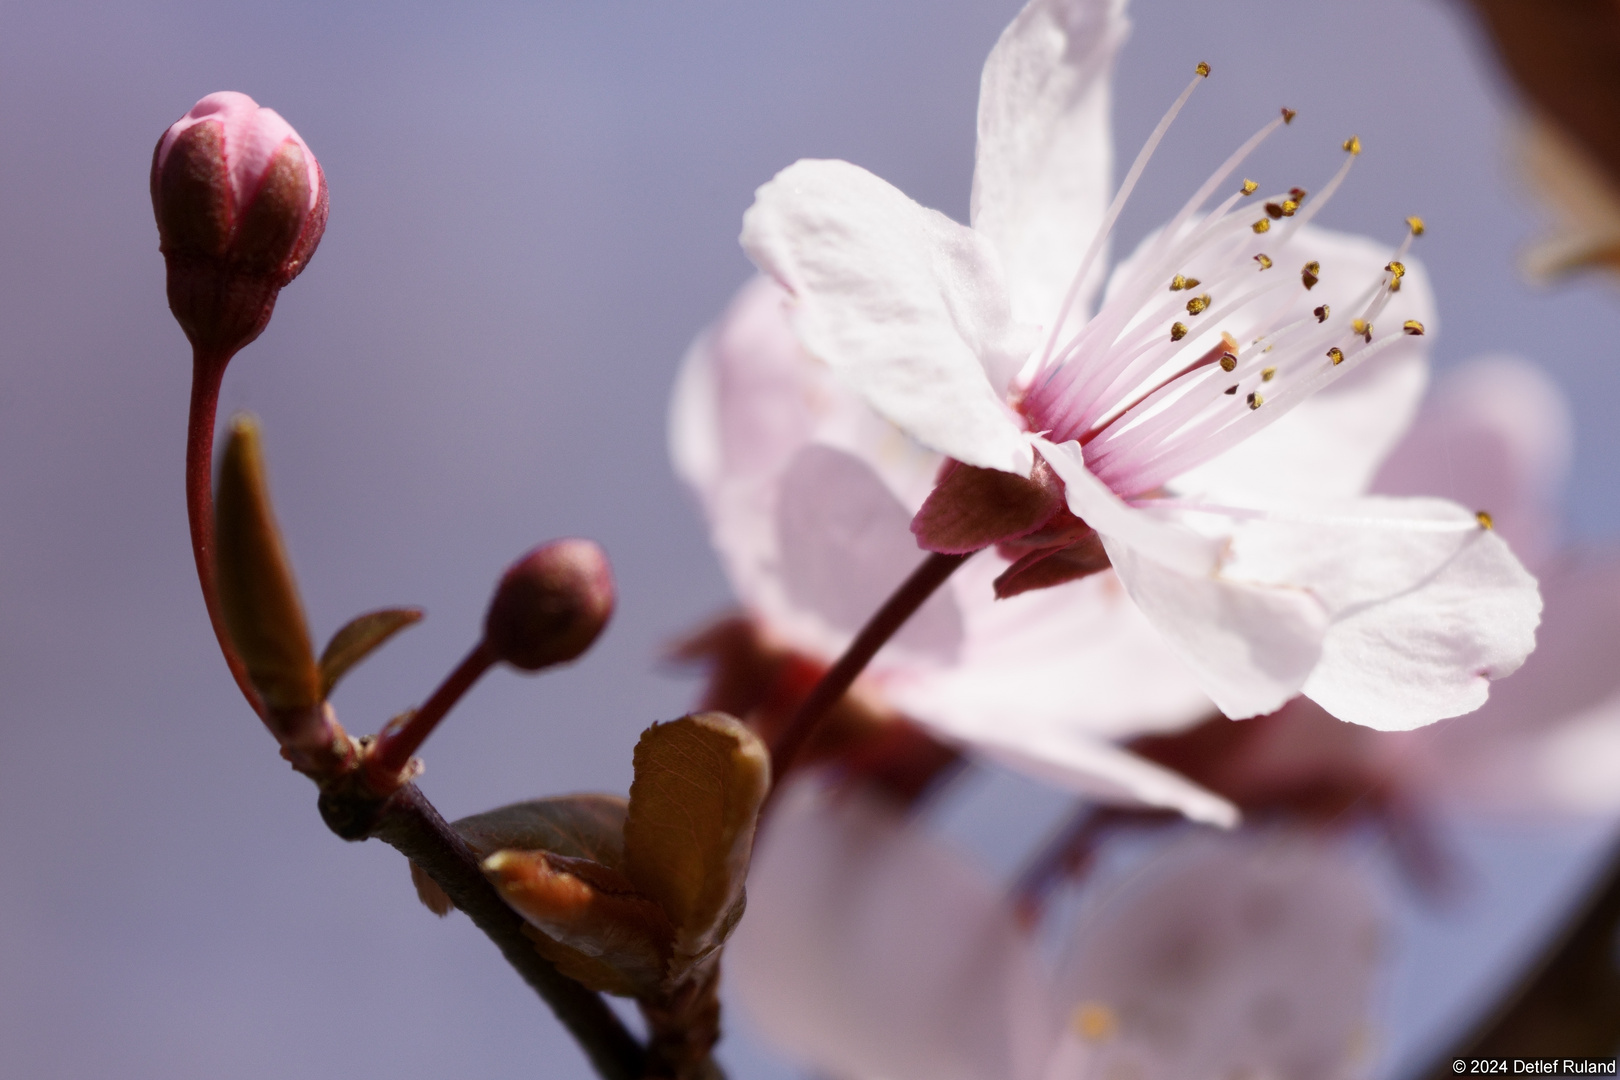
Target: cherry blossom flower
pixel 809 495
pixel 872 950
pixel 1264 570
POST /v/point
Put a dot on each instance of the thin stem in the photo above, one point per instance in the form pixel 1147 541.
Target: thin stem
pixel 905 601
pixel 394 748
pixel 206 374
pixel 1568 1003
pixel 409 823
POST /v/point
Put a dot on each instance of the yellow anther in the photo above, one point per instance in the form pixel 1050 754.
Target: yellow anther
pixel 1198 305
pixel 1202 69
pixel 1322 313
pixel 1268 374
pixel 1288 115
pixel 1177 331
pixel 1264 261
pixel 1336 355
pixel 1362 327
pixel 1178 283
pixel 1255 400
pixel 1485 520
pixel 1094 1022
pixel 1396 268
pixel 1413 327
pixel 1228 362
pixel 1309 274
pixel 1250 187
pixel 1416 225
pixel 1263 225
pixel 1352 145
pixel 1290 207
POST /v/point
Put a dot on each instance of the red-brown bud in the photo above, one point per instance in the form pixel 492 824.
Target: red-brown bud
pixel 550 605
pixel 241 204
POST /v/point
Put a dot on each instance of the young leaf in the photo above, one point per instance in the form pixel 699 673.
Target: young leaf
pixel 699 782
pixel 575 826
pixel 358 638
pixel 256 587
pixel 613 938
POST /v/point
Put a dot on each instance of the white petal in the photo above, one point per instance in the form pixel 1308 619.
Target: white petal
pixel 1426 606
pixel 1077 658
pixel 1090 500
pixel 1332 444
pixel 907 306
pixel 1548 737
pixel 1495 435
pixel 1250 647
pixel 1244 954
pixel 869 950
pixel 1045 159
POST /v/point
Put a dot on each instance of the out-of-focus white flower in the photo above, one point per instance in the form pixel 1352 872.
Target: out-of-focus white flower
pixel 1245 544
pixel 872 951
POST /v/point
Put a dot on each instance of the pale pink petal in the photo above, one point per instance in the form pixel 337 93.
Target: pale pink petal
pixel 1426 606
pixel 870 951
pixel 1045 159
pixel 1145 531
pixel 1494 435
pixel 1332 444
pixel 908 307
pixel 1549 737
pixel 1245 954
pixel 1079 657
pixel 1250 647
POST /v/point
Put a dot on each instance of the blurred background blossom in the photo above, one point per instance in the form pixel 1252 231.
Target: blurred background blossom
pixel 534 208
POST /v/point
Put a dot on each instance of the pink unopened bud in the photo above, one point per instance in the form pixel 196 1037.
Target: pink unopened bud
pixel 241 204
pixel 550 605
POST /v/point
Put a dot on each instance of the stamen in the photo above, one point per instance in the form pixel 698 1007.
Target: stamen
pixel 1416 225
pixel 1178 283
pixel 1352 145
pixel 1202 69
pixel 1485 520
pixel 1336 355
pixel 1114 209
pixel 1413 327
pixel 1230 389
pixel 1362 327
pixel 1262 226
pixel 1177 331
pixel 1397 270
pixel 1250 187
pixel 1268 374
pixel 1288 115
pixel 1322 313
pixel 1309 274
pixel 1228 362
pixel 1264 261
pixel 1198 305
pixel 1255 401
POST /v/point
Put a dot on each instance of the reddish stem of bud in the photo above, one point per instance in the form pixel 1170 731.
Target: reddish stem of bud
pixel 888 619
pixel 394 747
pixel 207 371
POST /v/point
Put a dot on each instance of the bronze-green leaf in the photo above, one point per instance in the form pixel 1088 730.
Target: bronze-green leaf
pixel 358 638
pixel 699 783
pixel 257 592
pixel 575 826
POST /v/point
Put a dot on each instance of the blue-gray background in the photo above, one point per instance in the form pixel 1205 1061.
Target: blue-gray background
pixel 534 207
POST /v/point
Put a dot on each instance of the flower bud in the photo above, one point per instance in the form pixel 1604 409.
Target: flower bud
pixel 240 204
pixel 550 605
